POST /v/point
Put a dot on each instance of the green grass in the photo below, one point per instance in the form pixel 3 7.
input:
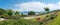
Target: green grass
pixel 55 21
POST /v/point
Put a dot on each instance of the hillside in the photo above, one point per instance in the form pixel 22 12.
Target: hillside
pixel 55 21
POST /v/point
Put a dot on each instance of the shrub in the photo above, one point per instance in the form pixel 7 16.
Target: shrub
pixel 31 13
pixel 20 22
pixel 51 17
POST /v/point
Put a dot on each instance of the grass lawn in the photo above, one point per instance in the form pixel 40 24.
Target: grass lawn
pixel 55 21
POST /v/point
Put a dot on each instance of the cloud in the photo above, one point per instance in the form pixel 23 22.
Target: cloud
pixel 36 6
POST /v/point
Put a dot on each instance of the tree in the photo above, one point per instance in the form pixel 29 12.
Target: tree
pixel 10 12
pixel 31 13
pixel 46 9
pixel 4 15
pixel 16 13
pixel 2 11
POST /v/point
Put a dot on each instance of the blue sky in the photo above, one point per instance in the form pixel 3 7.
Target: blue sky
pixel 20 4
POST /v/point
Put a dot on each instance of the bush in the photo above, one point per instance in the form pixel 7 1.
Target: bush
pixel 51 17
pixel 19 22
pixel 31 13
pixel 16 22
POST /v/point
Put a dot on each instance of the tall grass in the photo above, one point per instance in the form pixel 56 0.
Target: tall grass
pixel 19 22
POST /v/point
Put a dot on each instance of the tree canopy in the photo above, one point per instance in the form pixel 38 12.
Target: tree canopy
pixel 2 11
pixel 31 13
pixel 10 12
pixel 46 9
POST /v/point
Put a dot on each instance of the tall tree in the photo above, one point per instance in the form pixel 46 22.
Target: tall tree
pixel 31 13
pixel 17 13
pixel 2 11
pixel 46 9
pixel 10 12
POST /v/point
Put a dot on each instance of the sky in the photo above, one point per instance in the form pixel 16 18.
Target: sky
pixel 30 5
